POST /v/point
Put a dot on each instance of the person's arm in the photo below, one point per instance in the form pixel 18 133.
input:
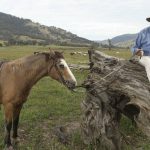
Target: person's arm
pixel 137 49
pixel 138 44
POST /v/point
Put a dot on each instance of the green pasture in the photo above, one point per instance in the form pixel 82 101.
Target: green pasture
pixel 51 105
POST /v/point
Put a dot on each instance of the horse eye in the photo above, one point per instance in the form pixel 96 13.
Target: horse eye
pixel 61 66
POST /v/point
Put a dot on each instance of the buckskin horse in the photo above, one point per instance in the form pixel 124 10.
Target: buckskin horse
pixel 17 77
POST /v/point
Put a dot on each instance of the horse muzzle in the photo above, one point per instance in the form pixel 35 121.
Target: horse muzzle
pixel 71 84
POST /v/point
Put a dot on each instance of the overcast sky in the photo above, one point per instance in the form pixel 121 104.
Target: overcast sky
pixel 92 19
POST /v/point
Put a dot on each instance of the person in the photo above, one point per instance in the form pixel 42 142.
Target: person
pixel 142 48
pixel 142 44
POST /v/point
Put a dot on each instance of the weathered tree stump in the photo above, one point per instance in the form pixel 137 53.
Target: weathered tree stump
pixel 114 87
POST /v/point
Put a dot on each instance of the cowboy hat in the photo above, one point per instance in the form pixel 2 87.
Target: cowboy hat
pixel 148 19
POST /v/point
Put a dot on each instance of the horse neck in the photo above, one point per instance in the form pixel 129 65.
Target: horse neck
pixel 35 68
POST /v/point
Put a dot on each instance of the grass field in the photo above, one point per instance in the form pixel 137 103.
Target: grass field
pixel 51 105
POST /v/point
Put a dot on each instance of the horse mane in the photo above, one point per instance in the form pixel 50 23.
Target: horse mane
pixel 51 54
pixel 59 54
pixel 19 63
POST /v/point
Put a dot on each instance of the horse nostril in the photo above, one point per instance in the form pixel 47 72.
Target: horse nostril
pixel 74 84
pixel 71 84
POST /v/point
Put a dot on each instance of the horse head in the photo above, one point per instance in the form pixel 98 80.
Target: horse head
pixel 59 70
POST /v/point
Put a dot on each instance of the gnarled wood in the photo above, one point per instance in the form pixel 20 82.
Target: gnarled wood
pixel 114 87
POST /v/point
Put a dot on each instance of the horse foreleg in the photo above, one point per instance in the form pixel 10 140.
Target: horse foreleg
pixel 16 122
pixel 8 109
pixel 15 127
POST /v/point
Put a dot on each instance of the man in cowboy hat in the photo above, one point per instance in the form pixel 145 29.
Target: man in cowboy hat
pixel 142 48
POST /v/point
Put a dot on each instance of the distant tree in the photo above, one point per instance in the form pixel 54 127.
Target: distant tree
pixel 94 45
pixel 109 44
pixel 1 44
pixel 6 44
pixel 12 42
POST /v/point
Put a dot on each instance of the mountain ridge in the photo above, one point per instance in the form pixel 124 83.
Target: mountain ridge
pixel 18 30
pixel 124 40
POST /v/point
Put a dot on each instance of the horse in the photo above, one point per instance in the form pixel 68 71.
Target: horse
pixel 17 78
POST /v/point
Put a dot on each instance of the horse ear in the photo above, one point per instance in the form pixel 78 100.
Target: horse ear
pixel 52 53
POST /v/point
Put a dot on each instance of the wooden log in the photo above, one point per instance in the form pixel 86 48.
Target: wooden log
pixel 114 87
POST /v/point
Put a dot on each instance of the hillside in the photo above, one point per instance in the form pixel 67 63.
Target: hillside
pixel 24 31
pixel 125 40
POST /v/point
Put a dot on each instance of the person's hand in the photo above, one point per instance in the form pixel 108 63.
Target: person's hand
pixel 139 52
